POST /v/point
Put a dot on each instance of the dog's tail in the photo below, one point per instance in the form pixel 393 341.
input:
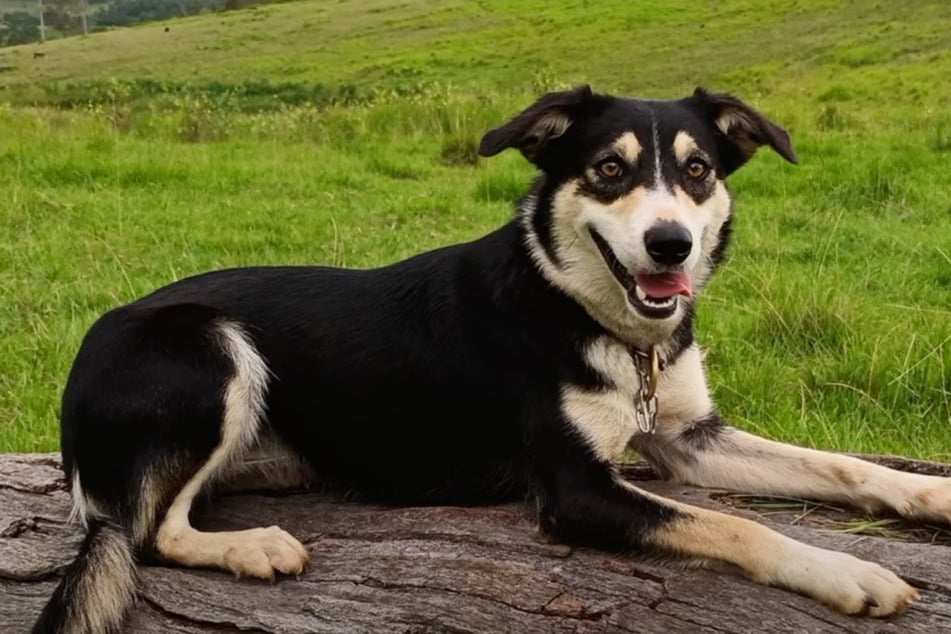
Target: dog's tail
pixel 98 588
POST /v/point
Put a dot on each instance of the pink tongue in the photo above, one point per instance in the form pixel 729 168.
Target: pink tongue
pixel 664 285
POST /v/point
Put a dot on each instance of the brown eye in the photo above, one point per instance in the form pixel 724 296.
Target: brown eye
pixel 609 169
pixel 697 169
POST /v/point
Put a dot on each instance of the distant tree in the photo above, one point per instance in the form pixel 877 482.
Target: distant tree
pixel 19 27
pixel 234 5
pixel 63 15
pixel 125 12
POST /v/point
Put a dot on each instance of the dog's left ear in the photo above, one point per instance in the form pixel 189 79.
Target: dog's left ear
pixel 538 125
pixel 740 129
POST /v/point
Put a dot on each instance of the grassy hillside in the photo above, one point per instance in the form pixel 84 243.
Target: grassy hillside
pixel 30 6
pixel 652 46
pixel 344 132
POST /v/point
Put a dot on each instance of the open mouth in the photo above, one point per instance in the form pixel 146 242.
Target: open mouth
pixel 654 295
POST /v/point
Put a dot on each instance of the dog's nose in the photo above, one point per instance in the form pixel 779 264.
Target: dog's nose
pixel 668 242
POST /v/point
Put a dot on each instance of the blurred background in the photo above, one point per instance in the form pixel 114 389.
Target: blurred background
pixel 147 140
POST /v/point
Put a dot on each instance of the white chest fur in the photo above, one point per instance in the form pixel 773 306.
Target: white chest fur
pixel 605 418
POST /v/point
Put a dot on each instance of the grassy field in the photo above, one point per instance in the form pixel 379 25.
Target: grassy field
pixel 11 6
pixel 135 157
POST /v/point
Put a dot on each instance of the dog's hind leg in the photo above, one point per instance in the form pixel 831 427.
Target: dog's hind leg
pixel 271 465
pixel 257 552
pixel 159 404
pixel 694 446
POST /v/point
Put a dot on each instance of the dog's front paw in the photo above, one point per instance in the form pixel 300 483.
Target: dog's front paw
pixel 860 587
pixel 260 552
pixel 925 498
pixel 845 583
pixel 852 586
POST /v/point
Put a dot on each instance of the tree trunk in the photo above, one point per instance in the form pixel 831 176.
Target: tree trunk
pixel 451 569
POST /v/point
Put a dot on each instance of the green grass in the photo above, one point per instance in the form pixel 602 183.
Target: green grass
pixel 11 6
pixel 830 517
pixel 135 157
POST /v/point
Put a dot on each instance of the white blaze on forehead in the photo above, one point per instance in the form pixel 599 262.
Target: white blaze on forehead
pixel 684 146
pixel 658 178
pixel 628 147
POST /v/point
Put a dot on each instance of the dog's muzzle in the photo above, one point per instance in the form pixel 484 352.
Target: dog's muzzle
pixel 653 295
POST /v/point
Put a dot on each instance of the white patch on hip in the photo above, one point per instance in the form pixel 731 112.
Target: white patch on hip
pixel 84 508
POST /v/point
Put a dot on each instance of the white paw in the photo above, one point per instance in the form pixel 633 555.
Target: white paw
pixel 260 552
pixel 923 498
pixel 853 586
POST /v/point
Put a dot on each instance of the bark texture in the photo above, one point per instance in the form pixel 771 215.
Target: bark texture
pixel 449 569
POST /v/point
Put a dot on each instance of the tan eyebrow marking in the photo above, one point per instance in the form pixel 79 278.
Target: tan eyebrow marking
pixel 628 147
pixel 684 146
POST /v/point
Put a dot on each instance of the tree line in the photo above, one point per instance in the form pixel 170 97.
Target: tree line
pixel 65 17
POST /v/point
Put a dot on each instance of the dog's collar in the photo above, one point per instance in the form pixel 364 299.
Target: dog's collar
pixel 649 365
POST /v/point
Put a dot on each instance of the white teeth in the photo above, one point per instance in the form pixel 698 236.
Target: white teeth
pixel 657 303
pixel 654 302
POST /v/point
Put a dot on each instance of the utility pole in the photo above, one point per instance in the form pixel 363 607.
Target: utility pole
pixel 85 7
pixel 42 24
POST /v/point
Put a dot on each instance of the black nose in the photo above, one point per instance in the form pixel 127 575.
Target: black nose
pixel 668 242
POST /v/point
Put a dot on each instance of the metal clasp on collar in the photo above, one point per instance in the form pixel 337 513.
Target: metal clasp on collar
pixel 648 366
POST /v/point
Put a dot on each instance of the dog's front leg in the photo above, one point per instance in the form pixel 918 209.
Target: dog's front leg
pixel 694 446
pixel 582 501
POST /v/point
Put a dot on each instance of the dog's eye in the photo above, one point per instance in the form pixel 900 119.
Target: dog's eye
pixel 697 169
pixel 610 168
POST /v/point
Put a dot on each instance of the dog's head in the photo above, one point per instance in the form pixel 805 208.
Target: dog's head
pixel 632 214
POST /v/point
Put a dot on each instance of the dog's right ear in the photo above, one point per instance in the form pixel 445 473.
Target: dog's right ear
pixel 540 123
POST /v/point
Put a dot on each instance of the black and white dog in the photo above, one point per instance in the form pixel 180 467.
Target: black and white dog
pixel 519 365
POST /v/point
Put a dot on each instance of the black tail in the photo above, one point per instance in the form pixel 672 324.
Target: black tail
pixel 98 588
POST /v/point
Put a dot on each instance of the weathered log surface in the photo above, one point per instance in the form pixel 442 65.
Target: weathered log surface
pixel 448 569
